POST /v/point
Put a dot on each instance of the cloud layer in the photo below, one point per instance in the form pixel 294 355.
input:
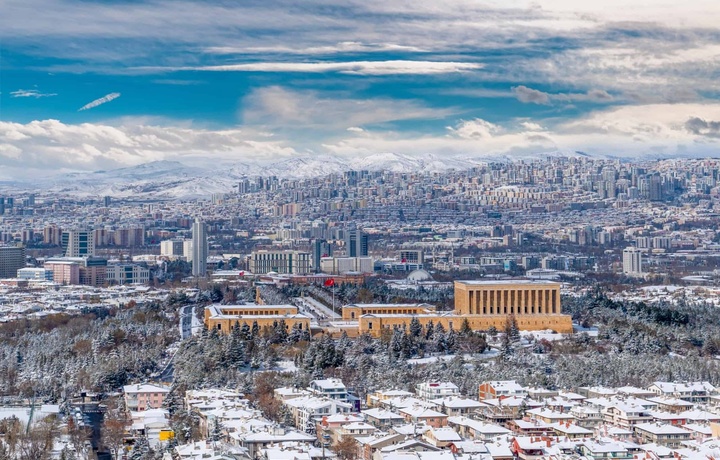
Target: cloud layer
pixel 283 77
pixel 657 130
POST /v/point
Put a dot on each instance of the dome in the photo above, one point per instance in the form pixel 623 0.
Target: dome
pixel 419 275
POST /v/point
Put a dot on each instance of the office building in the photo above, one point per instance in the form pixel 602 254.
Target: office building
pixel 12 259
pixel 632 261
pixel 199 248
pixel 280 262
pixel 321 248
pixel 35 274
pixel 356 243
pixel 176 249
pixel 78 243
pixel 87 271
pixel 127 274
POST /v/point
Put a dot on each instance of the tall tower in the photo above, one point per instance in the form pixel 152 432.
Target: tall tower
pixel 199 248
pixel 356 243
pixel 632 261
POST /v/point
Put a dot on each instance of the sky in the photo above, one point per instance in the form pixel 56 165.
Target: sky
pixel 102 84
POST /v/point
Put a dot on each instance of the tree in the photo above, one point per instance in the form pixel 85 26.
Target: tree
pixel 346 449
pixel 429 330
pixel 113 432
pixel 415 327
pixel 465 329
pixel 78 436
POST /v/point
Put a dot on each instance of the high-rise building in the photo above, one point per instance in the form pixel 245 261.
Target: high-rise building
pixel 78 243
pixel 176 248
pixel 199 248
pixel 12 259
pixel 632 261
pixel 356 243
pixel 281 262
pixel 321 248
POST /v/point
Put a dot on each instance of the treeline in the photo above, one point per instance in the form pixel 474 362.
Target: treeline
pixel 683 326
pixel 98 350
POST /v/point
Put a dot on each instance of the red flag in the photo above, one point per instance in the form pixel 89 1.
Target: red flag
pixel 329 282
pixel 404 260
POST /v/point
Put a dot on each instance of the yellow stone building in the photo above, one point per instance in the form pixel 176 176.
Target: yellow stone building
pixel 535 305
pixel 224 317
pixel 353 312
pixel 484 304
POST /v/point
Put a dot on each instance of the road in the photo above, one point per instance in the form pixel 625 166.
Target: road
pixel 188 325
pixel 317 309
pixel 186 321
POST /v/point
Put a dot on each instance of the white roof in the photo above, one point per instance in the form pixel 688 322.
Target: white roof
pixel 327 384
pixel 144 388
pixel 381 414
pixel 661 428
pixel 444 434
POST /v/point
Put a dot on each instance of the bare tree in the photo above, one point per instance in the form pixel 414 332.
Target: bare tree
pixel 113 430
pixel 347 448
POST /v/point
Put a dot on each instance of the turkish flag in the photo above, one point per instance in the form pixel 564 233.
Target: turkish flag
pixel 329 282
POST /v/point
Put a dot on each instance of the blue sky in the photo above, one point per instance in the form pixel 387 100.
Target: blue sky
pixel 259 81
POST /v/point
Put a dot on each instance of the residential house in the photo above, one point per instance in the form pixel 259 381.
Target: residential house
pixel 419 414
pixel 140 397
pixel 500 388
pixel 382 418
pixel 428 391
pixel 661 434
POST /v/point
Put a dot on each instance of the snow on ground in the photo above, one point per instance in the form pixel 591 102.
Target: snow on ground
pixel 467 357
pixel 285 366
pixel 662 287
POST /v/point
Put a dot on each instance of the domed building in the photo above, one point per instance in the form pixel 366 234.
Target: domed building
pixel 420 275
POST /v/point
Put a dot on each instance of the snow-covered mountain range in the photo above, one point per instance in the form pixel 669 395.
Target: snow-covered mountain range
pixel 176 180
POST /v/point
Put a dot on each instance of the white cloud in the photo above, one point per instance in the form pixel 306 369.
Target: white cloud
pixel 350 68
pixel 30 93
pixel 534 96
pixel 342 47
pixel 629 131
pixel 287 109
pixel 100 101
pixel 52 145
pixel 475 129
pixel 530 126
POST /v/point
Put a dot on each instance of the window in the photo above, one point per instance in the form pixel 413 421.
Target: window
pixel 370 326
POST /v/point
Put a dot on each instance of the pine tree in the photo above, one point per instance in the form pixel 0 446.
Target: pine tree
pixel 415 327
pixel 429 330
pixel 451 341
pixel 245 332
pixel 438 338
pixel 465 329
pixel 295 334
pixel 396 343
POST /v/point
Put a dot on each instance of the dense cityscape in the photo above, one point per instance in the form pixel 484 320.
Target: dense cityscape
pixel 557 308
pixel 359 230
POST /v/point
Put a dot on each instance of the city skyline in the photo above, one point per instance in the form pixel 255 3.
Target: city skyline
pixel 102 85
